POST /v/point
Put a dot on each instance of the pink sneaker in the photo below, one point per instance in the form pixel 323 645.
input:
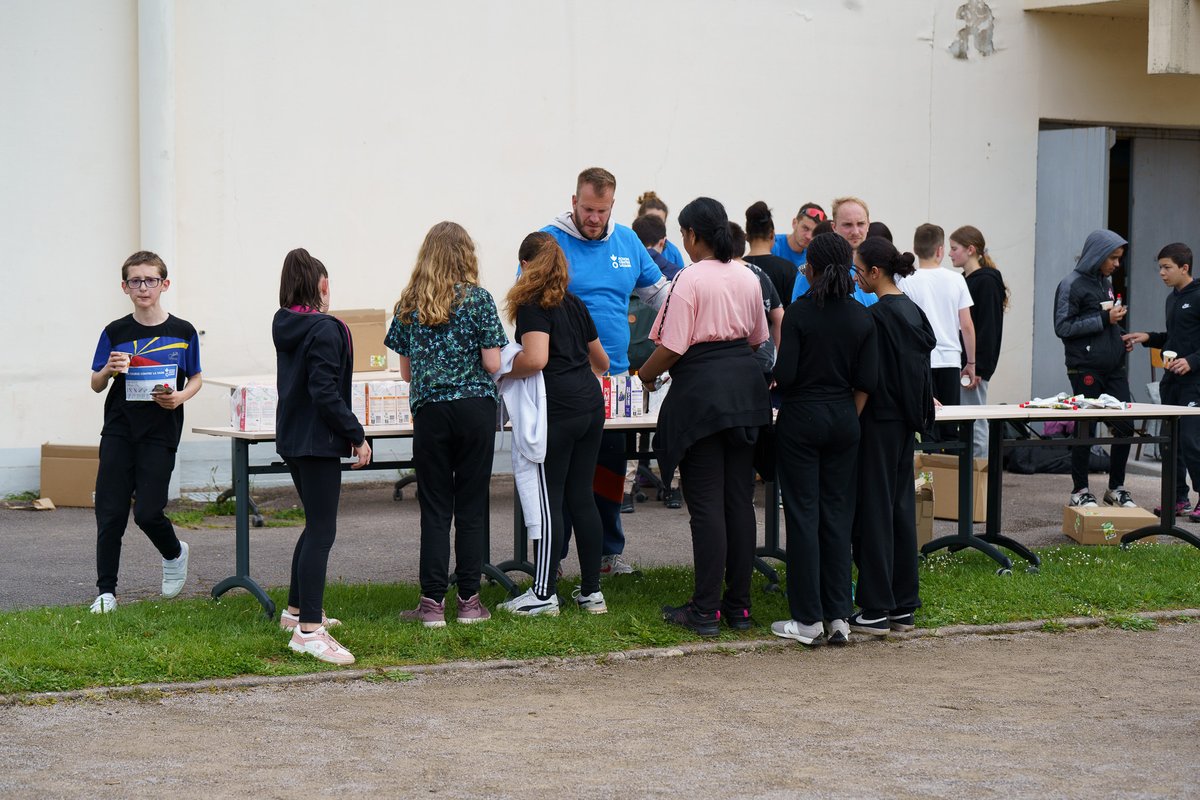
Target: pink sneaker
pixel 289 621
pixel 472 610
pixel 321 646
pixel 428 613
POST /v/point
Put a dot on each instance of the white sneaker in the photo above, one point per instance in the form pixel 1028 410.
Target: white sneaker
pixel 615 565
pixel 791 629
pixel 1119 496
pixel 592 603
pixel 321 646
pixel 837 631
pixel 175 572
pixel 1083 499
pixel 104 604
pixel 530 605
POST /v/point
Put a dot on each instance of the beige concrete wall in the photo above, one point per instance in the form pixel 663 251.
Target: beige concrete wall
pixel 350 128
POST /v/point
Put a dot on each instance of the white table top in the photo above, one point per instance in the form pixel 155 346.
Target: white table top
pixel 1015 412
pixel 643 423
pixel 234 381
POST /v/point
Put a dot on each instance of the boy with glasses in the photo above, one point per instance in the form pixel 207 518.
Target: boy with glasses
pixel 153 362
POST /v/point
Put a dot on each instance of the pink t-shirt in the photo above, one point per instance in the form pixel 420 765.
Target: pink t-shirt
pixel 711 301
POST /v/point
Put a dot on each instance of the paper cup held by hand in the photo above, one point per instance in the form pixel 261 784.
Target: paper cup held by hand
pixel 1106 305
pixel 1168 356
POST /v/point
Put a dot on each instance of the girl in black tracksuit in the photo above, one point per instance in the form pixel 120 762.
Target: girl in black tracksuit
pixel 826 368
pixel 885 530
pixel 314 429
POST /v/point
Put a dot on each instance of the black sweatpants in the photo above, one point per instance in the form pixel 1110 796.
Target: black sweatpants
pixel 717 478
pixel 817 445
pixel 947 389
pixel 318 481
pixel 885 525
pixel 1094 384
pixel 453 445
pixel 1187 454
pixel 128 467
pixel 571 448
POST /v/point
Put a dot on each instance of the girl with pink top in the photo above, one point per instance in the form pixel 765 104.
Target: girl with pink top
pixel 706 332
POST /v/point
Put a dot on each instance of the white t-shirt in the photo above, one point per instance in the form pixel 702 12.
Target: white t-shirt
pixel 941 293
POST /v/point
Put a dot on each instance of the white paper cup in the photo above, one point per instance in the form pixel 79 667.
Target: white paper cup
pixel 1106 305
pixel 1168 356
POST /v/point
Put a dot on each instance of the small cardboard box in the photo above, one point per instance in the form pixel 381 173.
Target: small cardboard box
pixel 69 474
pixel 1105 524
pixel 944 469
pixel 924 508
pixel 368 327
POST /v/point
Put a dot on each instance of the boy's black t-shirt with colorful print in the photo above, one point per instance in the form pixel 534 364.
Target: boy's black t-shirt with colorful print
pixel 155 351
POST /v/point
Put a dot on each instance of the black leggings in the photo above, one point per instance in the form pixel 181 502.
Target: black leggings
pixel 571 449
pixel 319 484
pixel 127 467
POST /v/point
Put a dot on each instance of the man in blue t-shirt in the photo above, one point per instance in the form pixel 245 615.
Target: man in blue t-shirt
pixel 794 245
pixel 608 262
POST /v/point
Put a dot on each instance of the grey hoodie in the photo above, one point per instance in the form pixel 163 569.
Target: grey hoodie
pixel 1091 343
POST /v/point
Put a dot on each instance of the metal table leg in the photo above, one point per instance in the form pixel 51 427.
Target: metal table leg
pixel 241 489
pixel 1166 495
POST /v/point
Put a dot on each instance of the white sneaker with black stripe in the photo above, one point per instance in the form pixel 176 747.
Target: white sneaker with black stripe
pixel 530 605
pixel 591 603
pixel 1083 498
pixel 1119 496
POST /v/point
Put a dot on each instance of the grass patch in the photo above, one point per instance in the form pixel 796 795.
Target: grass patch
pixel 186 518
pixel 21 497
pixel 66 648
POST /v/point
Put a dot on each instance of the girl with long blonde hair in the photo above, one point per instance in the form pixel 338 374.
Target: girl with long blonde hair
pixel 448 334
pixel 558 338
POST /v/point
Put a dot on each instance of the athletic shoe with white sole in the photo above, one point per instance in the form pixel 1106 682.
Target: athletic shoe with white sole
pixel 472 610
pixel 321 646
pixel 1119 496
pixel 104 604
pixel 288 621
pixel 530 605
pixel 428 612
pixel 902 623
pixel 837 631
pixel 591 603
pixel 175 572
pixel 1083 498
pixel 870 624
pixel 615 565
pixel 802 633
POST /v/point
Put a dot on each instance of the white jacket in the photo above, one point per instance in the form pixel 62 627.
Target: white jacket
pixel 525 404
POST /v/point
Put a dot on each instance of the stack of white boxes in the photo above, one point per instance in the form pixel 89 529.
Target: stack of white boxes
pixel 374 403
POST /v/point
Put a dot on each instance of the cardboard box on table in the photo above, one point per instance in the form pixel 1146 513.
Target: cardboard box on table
pixel 69 474
pixel 368 327
pixel 944 469
pixel 1105 524
pixel 924 508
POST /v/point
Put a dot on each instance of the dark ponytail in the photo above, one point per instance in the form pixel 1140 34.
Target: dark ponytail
pixel 877 251
pixel 706 218
pixel 759 224
pixel 830 259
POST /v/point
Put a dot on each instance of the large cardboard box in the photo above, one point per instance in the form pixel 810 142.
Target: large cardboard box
pixel 1105 524
pixel 69 474
pixel 924 491
pixel 944 469
pixel 368 327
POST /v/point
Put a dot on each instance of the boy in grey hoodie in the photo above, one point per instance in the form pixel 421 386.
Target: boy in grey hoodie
pixel 1087 318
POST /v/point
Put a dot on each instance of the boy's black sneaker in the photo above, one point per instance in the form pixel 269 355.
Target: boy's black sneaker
pixel 699 623
pixel 902 623
pixel 870 624
pixel 738 619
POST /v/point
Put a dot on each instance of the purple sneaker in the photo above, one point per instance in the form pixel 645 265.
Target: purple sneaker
pixel 472 610
pixel 428 613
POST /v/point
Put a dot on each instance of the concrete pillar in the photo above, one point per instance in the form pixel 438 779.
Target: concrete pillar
pixel 1174 46
pixel 156 131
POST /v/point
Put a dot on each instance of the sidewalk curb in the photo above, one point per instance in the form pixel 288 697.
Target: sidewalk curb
pixel 156 690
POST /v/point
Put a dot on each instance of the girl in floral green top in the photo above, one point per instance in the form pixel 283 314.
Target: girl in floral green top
pixel 449 336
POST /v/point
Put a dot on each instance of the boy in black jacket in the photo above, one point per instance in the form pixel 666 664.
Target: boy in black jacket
pixel 1181 380
pixel 1087 318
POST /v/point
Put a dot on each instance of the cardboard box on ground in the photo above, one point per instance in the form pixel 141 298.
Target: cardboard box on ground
pixel 368 327
pixel 1105 524
pixel 943 470
pixel 69 474
pixel 924 508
